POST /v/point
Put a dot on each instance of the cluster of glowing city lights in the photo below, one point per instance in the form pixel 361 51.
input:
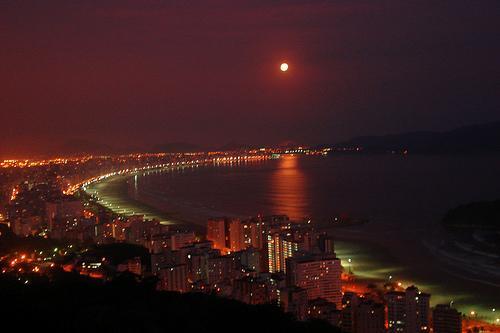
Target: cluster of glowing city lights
pixel 37 163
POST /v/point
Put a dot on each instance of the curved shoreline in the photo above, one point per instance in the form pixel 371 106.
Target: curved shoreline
pixel 151 208
pixel 349 247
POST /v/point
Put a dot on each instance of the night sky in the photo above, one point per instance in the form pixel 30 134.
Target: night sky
pixel 134 74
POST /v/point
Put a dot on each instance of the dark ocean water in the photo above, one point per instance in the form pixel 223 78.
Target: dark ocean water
pixel 404 197
pixel 400 191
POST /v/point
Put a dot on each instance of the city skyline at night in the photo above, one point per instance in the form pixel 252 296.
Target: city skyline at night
pixel 326 166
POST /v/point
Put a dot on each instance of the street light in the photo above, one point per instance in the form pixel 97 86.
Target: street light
pixel 349 260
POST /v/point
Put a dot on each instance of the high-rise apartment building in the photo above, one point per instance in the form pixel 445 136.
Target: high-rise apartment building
pixel 446 319
pixel 408 311
pixel 319 274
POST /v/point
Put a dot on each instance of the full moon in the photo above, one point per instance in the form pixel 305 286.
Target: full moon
pixel 284 67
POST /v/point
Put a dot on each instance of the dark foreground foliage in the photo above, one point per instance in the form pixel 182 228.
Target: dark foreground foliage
pixel 9 242
pixel 66 302
pixel 117 253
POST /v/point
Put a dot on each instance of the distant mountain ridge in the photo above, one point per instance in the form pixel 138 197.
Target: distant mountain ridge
pixel 467 139
pixel 480 138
